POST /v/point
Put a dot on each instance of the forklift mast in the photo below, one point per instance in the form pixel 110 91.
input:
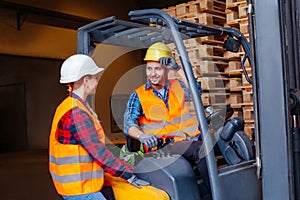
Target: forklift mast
pixel 276 31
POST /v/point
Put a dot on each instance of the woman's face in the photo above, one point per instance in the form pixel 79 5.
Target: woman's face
pixel 92 83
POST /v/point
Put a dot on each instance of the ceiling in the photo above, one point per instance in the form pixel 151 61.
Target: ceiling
pixel 58 19
pixel 158 3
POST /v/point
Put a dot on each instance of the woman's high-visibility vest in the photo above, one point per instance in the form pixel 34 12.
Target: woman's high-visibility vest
pixel 73 170
pixel 174 122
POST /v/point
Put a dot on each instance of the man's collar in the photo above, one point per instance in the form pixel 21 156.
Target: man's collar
pixel 148 85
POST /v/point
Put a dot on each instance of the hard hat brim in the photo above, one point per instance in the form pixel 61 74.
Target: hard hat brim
pixel 77 78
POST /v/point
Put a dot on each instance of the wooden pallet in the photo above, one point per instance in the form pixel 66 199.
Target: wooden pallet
pixel 220 99
pixel 212 99
pixel 239 71
pixel 235 98
pixel 246 88
pixel 236 23
pixel 205 52
pixel 242 105
pixel 212 6
pixel 241 88
pixel 236 11
pixel 211 67
pixel 235 82
pixel 243 9
pixel 212 40
pixel 244 80
pixel 208 19
pixel 244 26
pixel 184 10
pixel 248 113
pixel 249 129
pixel 240 24
pixel 214 83
pixel 193 8
pixel 247 96
pixel 234 3
pixel 192 43
pixel 217 40
pixel 231 16
pixel 234 56
pixel 170 10
pixel 213 50
pixel 233 66
pixel 237 113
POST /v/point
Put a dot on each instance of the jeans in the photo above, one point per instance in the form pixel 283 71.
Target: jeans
pixel 192 152
pixel 90 196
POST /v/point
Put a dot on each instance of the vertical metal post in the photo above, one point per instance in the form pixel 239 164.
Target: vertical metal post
pixel 251 28
pixel 273 101
pixel 208 144
pixel 296 144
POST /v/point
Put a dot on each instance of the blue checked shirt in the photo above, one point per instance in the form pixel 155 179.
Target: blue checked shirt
pixel 134 109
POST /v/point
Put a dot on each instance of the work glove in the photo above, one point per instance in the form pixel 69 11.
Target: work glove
pixel 149 140
pixel 169 63
pixel 135 181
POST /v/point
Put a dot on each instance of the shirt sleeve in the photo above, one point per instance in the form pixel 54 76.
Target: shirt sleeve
pixel 86 135
pixel 132 112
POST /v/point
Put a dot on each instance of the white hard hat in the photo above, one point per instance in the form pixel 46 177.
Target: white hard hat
pixel 77 66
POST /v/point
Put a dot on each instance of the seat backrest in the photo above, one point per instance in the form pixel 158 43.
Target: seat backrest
pixel 233 142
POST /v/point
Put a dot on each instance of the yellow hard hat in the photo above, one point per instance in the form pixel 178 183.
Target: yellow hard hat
pixel 157 51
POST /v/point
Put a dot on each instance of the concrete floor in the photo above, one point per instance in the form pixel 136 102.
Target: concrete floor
pixel 24 175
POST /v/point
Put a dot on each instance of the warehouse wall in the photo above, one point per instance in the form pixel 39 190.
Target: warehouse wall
pixel 40 95
pixel 31 91
pixel 30 63
pixel 51 42
pixel 123 73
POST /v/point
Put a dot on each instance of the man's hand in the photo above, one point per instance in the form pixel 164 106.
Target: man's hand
pixel 169 63
pixel 137 182
pixel 149 140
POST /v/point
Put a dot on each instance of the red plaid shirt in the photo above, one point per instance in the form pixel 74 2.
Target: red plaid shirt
pixel 84 133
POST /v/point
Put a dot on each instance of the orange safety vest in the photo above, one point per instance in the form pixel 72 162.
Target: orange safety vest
pixel 175 122
pixel 73 170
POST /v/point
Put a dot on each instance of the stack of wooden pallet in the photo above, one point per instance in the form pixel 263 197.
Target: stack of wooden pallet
pixel 209 12
pixel 236 16
pixel 218 70
pixel 206 53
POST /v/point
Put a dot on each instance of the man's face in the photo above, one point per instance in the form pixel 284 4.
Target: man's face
pixel 156 73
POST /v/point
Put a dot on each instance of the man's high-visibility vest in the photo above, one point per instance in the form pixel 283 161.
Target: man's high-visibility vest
pixel 175 122
pixel 73 170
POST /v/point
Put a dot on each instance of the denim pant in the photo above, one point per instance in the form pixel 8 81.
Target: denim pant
pixel 91 196
pixel 192 152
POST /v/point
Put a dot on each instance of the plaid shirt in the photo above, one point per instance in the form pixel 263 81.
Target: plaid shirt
pixel 134 108
pixel 83 132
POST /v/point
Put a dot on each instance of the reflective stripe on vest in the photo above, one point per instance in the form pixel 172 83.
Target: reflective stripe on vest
pixel 73 170
pixel 161 121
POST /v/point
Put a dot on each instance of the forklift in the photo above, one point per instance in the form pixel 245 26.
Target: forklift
pixel 273 173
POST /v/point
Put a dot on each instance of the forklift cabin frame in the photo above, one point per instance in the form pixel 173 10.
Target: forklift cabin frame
pixel 138 33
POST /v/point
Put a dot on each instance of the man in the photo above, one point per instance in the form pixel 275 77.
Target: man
pixel 158 109
pixel 79 163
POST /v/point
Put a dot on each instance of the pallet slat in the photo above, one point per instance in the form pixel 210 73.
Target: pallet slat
pixel 209 99
pixel 214 83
